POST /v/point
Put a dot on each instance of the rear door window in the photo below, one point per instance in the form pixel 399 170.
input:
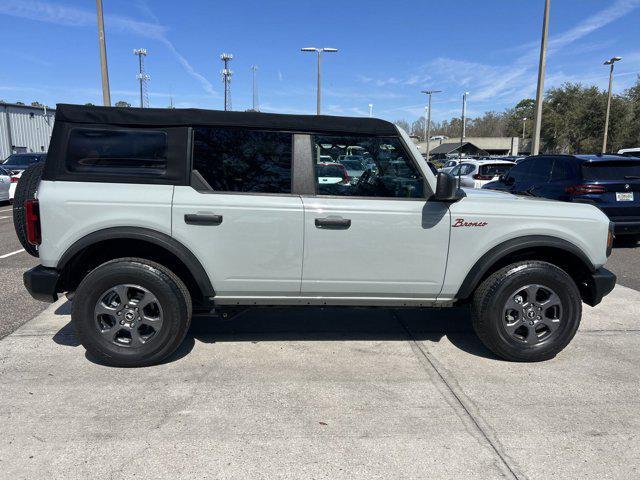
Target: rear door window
pixel 117 151
pixel 235 159
pixel 621 170
pixel 540 170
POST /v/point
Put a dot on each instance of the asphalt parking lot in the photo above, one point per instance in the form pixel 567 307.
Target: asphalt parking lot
pixel 323 393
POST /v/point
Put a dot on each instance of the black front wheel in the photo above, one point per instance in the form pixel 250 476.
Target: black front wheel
pixel 527 312
pixel 131 312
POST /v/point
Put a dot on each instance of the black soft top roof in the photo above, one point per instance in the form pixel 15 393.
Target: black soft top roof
pixel 165 117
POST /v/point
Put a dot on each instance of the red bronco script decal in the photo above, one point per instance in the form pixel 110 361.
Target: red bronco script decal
pixel 461 223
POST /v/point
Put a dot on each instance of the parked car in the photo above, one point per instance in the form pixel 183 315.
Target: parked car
pixel 355 168
pixel 476 173
pixel 5 185
pixel 142 231
pixel 449 165
pixel 332 173
pixel 630 152
pixel 13 183
pixel 18 162
pixel 609 182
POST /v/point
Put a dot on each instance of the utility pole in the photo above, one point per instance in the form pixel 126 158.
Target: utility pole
pixel 226 78
pixel 463 132
pixel 370 110
pixel 427 125
pixel 142 77
pixel 106 94
pixel 537 122
pixel 318 52
pixel 256 108
pixel 606 117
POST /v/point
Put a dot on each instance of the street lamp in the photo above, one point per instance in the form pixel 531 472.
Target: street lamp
pixel 427 125
pixel 524 127
pixel 463 133
pixel 319 51
pixel 610 62
pixel 370 110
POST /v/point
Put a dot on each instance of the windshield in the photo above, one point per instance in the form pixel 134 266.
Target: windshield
pixel 21 160
pixel 617 170
pixel 352 164
pixel 329 171
pixel 495 170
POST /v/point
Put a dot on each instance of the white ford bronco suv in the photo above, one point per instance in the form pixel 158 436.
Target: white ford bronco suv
pixel 146 217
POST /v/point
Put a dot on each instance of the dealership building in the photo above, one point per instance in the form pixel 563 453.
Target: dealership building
pixel 24 129
pixel 471 146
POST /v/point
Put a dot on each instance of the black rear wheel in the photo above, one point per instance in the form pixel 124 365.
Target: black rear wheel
pixel 528 311
pixel 131 312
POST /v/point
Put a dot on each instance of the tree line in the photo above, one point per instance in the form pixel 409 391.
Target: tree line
pixel 572 120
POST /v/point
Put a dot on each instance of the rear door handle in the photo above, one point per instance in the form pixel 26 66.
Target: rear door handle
pixel 202 219
pixel 333 223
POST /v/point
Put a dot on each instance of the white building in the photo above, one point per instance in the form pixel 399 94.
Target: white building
pixel 24 129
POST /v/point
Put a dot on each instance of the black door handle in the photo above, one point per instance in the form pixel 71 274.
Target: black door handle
pixel 333 223
pixel 202 219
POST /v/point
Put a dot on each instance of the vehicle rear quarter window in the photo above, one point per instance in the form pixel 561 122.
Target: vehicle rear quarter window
pixel 124 152
pixel 621 170
pixel 540 170
pixel 234 159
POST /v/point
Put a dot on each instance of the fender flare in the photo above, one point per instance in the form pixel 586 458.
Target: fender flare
pixel 145 234
pixel 501 250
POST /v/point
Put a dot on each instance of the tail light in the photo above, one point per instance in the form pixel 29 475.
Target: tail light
pixel 15 179
pixel 477 176
pixel 345 177
pixel 585 189
pixel 32 211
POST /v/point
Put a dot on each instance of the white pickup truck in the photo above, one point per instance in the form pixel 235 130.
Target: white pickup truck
pixel 145 217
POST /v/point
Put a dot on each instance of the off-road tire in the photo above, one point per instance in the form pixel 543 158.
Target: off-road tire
pixel 490 298
pixel 171 294
pixel 26 190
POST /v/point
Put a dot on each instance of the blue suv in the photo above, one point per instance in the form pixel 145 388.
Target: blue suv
pixel 610 182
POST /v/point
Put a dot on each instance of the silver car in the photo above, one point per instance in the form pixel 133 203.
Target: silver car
pixel 476 173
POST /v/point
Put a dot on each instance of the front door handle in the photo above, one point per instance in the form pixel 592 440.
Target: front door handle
pixel 202 219
pixel 333 223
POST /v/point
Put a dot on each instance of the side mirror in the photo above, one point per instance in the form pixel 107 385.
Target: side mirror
pixel 508 180
pixel 502 178
pixel 447 188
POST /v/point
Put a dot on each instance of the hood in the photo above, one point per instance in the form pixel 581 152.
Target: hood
pixel 494 202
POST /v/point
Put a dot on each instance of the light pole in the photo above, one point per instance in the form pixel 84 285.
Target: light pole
pixel 610 62
pixel 106 94
pixel 463 133
pixel 524 127
pixel 537 122
pixel 254 69
pixel 370 110
pixel 319 51
pixel 427 125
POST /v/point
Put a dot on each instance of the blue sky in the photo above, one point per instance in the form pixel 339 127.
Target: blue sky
pixel 389 51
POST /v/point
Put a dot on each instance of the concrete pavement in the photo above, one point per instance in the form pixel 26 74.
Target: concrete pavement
pixel 326 393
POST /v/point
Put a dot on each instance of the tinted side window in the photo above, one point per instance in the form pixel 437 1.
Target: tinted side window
pixel 117 151
pixel 540 170
pixel 562 170
pixel 388 169
pixel 240 160
pixel 521 171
